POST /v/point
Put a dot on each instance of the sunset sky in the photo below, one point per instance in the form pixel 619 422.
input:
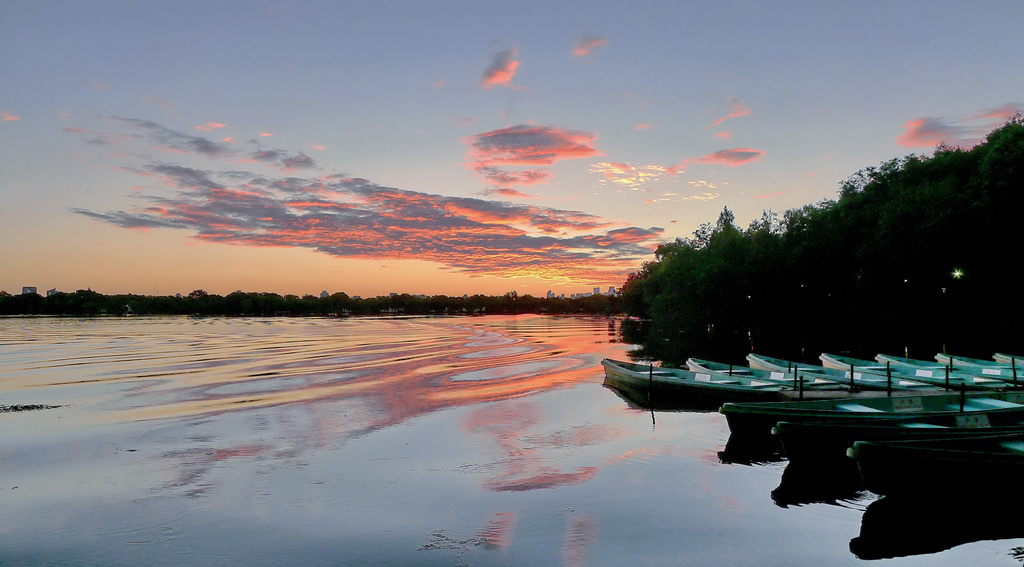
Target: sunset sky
pixel 454 147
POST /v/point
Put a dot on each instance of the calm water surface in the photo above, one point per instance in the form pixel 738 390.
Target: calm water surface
pixel 421 441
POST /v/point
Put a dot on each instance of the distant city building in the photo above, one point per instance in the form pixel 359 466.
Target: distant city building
pixel 597 291
pixel 324 294
pixel 551 294
pixel 50 292
pixel 27 290
pixel 611 290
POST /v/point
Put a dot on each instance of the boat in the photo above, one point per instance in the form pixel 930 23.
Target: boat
pixel 977 465
pixel 810 380
pixel 824 441
pixel 757 420
pixel 1008 359
pixel 665 384
pixel 935 374
pixel 862 380
pixel 925 368
pixel 992 368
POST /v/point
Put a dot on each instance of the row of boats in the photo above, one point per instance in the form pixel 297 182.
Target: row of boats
pixel 910 427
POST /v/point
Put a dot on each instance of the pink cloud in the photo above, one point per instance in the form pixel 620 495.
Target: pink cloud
pixel 588 45
pixel 503 178
pixel 928 132
pixel 348 217
pixel 508 193
pixel 501 71
pixel 736 109
pixel 770 195
pixel 266 134
pixel 723 135
pixel 529 145
pixel 643 126
pixel 438 84
pixel 1001 113
pixel 8 117
pixel 733 157
pixel 210 126
pixel 680 167
pixel 491 152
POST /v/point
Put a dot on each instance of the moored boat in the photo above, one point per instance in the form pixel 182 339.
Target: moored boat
pixel 858 379
pixel 757 420
pixel 1008 359
pixel 809 380
pixel 824 441
pixel 684 385
pixel 934 373
pixel 978 465
pixel 956 367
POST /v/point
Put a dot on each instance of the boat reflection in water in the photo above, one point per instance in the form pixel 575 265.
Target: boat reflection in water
pixel 898 527
pixel 824 482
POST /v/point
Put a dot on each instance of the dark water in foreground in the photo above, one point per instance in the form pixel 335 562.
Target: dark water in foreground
pixel 463 441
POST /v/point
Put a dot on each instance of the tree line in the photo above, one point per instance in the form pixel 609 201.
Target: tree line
pixel 915 256
pixel 239 303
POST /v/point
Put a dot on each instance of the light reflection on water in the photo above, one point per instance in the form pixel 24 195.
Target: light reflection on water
pixel 427 441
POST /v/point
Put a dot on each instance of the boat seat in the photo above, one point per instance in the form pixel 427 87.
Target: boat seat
pixel 700 377
pixel 858 408
pixel 983 403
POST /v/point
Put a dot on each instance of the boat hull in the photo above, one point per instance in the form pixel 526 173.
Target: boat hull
pixel 663 387
pixel 757 420
pixel 917 468
pixel 828 442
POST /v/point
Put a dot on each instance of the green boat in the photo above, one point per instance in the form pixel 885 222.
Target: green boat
pixel 827 441
pixel 753 420
pixel 934 374
pixel 994 371
pixel 810 380
pixel 977 465
pixel 1009 369
pixel 667 384
pixel 1008 359
pixel 862 380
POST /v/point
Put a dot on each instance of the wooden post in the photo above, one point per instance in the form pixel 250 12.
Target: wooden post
pixel 650 383
pixel 851 377
pixel 888 379
pixel 963 396
pixel 947 378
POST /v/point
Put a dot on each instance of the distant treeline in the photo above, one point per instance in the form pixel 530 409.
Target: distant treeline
pixel 917 255
pixel 199 302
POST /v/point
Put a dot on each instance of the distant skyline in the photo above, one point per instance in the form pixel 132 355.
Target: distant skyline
pixel 454 148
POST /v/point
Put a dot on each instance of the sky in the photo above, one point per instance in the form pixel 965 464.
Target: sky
pixel 454 147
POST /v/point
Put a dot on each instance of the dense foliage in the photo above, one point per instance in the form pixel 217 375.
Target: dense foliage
pixel 199 302
pixel 915 256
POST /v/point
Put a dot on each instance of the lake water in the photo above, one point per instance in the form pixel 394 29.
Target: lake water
pixel 420 441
